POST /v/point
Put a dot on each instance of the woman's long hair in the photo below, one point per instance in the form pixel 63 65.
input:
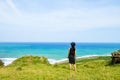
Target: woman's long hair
pixel 73 45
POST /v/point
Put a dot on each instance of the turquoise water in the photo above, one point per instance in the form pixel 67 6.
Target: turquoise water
pixel 56 51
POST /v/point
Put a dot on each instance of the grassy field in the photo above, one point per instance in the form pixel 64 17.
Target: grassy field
pixel 38 68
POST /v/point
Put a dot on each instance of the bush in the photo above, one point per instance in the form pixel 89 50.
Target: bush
pixel 55 65
pixel 28 60
pixel 1 63
pixel 19 68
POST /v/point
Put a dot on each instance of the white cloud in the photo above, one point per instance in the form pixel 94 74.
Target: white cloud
pixel 13 7
pixel 65 19
pixel 63 24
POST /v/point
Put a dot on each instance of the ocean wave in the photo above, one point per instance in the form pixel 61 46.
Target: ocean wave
pixel 8 61
pixel 87 56
pixel 53 61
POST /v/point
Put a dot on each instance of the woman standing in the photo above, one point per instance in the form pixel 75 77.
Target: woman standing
pixel 72 55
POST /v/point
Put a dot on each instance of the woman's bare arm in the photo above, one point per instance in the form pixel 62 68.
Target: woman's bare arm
pixel 68 52
pixel 75 53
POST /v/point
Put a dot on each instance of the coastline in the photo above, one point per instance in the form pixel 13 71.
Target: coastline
pixel 37 67
pixel 8 61
pixel 54 52
pixel 79 58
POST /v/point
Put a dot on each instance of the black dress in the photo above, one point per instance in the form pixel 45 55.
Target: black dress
pixel 72 56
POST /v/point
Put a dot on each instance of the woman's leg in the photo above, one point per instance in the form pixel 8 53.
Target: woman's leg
pixel 75 67
pixel 70 66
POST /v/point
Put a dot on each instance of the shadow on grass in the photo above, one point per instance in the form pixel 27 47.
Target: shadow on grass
pixel 110 64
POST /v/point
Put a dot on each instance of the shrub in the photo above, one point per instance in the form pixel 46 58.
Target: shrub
pixel 55 65
pixel 19 68
pixel 1 63
pixel 28 60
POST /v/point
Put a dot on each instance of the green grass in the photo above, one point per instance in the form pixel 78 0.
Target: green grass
pixel 38 68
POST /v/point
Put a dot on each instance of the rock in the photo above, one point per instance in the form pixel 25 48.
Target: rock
pixel 115 57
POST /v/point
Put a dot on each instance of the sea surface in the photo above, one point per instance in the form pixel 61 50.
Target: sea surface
pixel 54 51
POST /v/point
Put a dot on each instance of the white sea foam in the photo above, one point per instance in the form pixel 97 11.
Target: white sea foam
pixel 87 56
pixel 8 61
pixel 53 61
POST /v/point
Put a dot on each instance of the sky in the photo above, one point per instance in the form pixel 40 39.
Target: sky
pixel 59 20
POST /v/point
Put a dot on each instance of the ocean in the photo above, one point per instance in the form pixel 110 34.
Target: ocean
pixel 54 51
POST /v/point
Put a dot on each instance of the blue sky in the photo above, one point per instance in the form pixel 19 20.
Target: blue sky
pixel 59 20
